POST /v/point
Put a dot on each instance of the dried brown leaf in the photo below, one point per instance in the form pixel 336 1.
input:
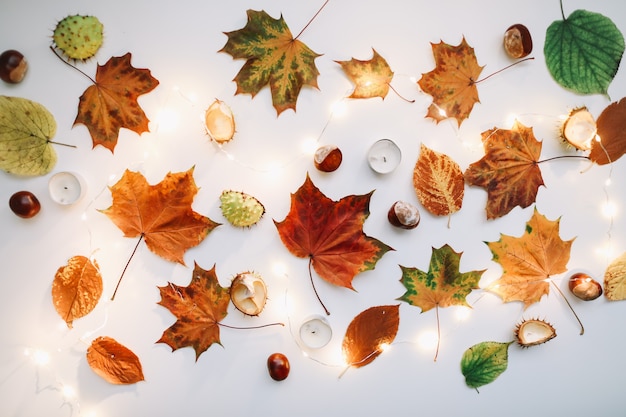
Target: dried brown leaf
pixel 76 289
pixel 612 132
pixel 615 279
pixel 114 362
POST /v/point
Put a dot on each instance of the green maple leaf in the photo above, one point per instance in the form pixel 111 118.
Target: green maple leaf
pixel 273 56
pixel 583 51
pixel 442 286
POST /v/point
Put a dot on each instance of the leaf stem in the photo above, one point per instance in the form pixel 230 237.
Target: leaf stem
pixel 314 289
pixel 563 157
pixel 503 69
pixel 67 63
pixel 249 328
pixel 582 328
pixel 62 144
pixel 438 333
pixel 562 13
pixel 126 267
pixel 312 19
pixel 399 95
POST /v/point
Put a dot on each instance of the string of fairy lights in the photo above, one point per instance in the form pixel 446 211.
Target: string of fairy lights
pixel 166 120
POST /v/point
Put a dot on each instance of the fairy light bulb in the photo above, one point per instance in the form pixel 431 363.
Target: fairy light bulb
pixel 609 209
pixel 68 392
pixel 384 347
pixel 309 146
pixel 427 340
pixel 339 108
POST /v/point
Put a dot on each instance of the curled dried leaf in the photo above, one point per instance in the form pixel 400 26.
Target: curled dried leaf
pixel 76 289
pixel 615 279
pixel 114 362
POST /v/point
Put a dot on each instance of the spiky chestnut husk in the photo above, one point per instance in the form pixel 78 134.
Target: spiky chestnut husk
pixel 248 293
pixel 534 332
pixel 78 37
pixel 579 129
pixel 219 122
pixel 241 209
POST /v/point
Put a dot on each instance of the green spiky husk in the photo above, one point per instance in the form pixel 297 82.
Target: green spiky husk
pixel 78 37
pixel 240 209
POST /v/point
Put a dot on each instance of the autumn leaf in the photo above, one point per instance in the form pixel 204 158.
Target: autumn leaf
pixel 369 333
pixel 114 362
pixel 330 234
pixel 529 261
pixel 371 78
pixel 611 132
pixel 160 214
pixel 438 182
pixel 442 286
pixel 76 289
pixel 198 308
pixel 273 56
pixel 452 84
pixel 111 103
pixel 583 51
pixel 482 363
pixel 615 279
pixel 26 128
pixel 509 171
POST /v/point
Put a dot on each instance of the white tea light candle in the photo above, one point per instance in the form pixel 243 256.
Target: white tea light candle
pixel 66 188
pixel 315 332
pixel 384 156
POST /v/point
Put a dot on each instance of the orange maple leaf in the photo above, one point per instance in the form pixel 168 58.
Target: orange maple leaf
pixel 161 214
pixel 330 234
pixel 452 83
pixel 198 307
pixel 371 78
pixel 111 103
pixel 509 170
pixel 528 262
pixel 611 134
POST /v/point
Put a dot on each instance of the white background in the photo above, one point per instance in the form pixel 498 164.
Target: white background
pixel 178 41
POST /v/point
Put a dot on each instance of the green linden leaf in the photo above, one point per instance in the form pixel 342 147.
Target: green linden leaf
pixel 583 52
pixel 443 285
pixel 26 128
pixel 272 57
pixel 482 363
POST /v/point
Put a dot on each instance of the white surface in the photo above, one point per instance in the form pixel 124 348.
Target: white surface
pixel 178 41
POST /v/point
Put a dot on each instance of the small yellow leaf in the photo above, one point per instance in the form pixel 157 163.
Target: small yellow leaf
pixel 114 362
pixel 76 289
pixel 615 279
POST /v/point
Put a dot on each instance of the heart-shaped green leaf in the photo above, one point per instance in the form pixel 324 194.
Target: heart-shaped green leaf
pixel 583 52
pixel 26 128
pixel 482 363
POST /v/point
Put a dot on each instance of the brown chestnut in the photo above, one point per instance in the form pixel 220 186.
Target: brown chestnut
pixel 517 41
pixel 24 204
pixel 278 366
pixel 327 158
pixel 403 215
pixel 13 66
pixel 584 287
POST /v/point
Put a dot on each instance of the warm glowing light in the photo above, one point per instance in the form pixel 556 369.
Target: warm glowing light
pixel 309 146
pixel 427 340
pixel 606 252
pixel 608 182
pixel 442 112
pixel 384 347
pixel 413 79
pixel 463 313
pixel 40 357
pixel 609 209
pixel 68 392
pixel 339 108
pixel 511 118
pixel 167 120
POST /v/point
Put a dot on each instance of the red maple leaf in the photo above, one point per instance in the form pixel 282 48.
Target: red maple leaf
pixel 330 234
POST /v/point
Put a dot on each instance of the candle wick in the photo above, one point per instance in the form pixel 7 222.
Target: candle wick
pixel 384 159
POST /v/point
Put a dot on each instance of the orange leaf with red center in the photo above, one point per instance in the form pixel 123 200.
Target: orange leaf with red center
pixel 369 333
pixel 612 134
pixel 452 84
pixel 161 214
pixel 371 78
pixel 530 260
pixel 198 308
pixel 330 234
pixel 111 103
pixel 509 171
pixel 438 182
